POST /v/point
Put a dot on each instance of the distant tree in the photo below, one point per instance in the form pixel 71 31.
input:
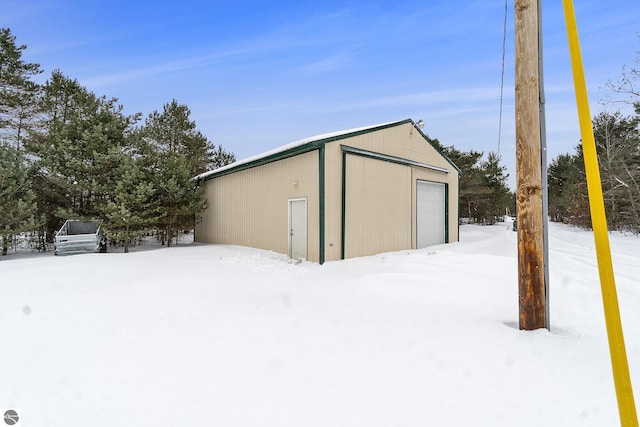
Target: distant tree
pixel 629 84
pixel 618 147
pixel 497 195
pixel 563 176
pixel 50 195
pixel 77 152
pixel 617 141
pixel 131 209
pixel 173 131
pixel 181 201
pixel 18 93
pixel 484 195
pixel 18 119
pixel 18 209
pixel 220 157
pixel 182 153
pixel 472 189
pixel 579 210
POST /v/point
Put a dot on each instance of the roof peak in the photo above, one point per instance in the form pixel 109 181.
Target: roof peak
pixel 316 139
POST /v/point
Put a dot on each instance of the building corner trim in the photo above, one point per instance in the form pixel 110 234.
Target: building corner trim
pixel 321 203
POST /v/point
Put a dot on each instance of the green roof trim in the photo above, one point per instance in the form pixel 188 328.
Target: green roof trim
pixel 430 141
pixel 309 144
pixel 391 159
pixel 285 154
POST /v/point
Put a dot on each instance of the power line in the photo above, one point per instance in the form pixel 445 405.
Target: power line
pixel 504 50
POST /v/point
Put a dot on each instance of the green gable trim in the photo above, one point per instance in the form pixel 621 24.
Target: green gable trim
pixel 392 159
pixel 300 149
pixel 363 131
pixel 315 144
pixel 430 141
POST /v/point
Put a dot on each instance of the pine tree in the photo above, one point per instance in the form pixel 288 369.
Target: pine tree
pixel 173 131
pixel 483 194
pixel 17 198
pixel 182 153
pixel 563 176
pixel 18 119
pixel 180 199
pixel 77 150
pixel 131 209
pixel 220 158
pixel 18 93
pixel 495 180
pixel 472 189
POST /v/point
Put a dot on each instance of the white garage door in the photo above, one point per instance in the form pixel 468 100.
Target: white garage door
pixel 431 215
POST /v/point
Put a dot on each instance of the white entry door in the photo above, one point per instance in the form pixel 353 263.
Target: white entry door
pixel 430 213
pixel 298 229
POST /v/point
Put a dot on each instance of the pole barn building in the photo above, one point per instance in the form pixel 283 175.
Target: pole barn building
pixel 341 195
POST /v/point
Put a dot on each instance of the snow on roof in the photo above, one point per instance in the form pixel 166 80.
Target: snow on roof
pixel 292 145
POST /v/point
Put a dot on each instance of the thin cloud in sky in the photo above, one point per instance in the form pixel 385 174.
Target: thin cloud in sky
pixel 249 50
pixel 22 11
pixel 434 98
pixel 445 103
pixel 53 48
pixel 247 109
pixel 332 63
pixel 219 57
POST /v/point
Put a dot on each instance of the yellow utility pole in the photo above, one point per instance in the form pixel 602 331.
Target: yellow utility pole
pixel 619 363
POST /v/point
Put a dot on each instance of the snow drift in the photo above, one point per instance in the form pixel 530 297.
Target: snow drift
pixel 204 335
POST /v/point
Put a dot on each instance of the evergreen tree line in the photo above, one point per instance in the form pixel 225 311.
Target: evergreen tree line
pixel 484 196
pixel 66 153
pixel 617 138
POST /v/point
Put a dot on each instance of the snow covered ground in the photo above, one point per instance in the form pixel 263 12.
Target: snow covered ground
pixel 202 335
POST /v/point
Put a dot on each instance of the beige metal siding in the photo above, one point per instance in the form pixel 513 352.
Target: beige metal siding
pixel 377 207
pixel 402 141
pixel 250 207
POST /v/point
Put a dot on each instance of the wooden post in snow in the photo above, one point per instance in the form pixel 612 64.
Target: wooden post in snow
pixel 531 278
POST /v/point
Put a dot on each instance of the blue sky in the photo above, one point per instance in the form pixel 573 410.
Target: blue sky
pixel 257 74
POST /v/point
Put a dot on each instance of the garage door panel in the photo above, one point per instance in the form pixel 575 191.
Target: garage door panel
pixel 431 213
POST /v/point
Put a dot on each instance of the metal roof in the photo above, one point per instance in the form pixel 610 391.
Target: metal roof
pixel 302 146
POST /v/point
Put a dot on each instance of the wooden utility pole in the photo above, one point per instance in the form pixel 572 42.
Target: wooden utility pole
pixel 531 276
